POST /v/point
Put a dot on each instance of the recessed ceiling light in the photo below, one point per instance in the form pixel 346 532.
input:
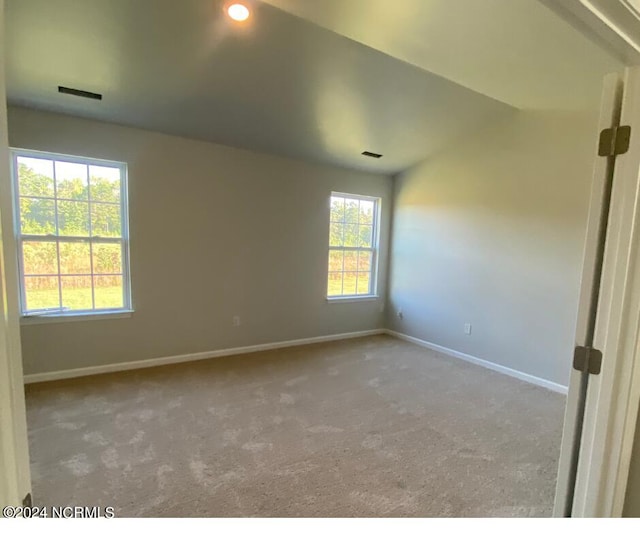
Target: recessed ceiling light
pixel 238 12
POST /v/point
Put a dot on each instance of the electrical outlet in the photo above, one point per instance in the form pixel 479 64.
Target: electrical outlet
pixel 236 321
pixel 467 328
pixel 400 314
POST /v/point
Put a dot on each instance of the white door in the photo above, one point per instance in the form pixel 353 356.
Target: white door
pixel 603 400
pixel 15 482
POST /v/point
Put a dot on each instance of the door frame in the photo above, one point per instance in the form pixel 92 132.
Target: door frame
pixel 15 478
pixel 613 397
pixel 606 22
pixel 611 410
pixel 610 109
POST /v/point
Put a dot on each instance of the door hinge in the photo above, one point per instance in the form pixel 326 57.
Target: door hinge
pixel 27 501
pixel 587 360
pixel 614 141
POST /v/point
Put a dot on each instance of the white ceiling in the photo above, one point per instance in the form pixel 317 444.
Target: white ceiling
pixel 516 51
pixel 288 86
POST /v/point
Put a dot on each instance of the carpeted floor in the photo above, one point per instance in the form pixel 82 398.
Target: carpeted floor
pixel 366 427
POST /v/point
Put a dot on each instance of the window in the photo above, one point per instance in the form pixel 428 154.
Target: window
pixel 72 234
pixel 353 241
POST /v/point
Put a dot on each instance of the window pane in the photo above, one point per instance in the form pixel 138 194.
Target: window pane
pixel 364 279
pixel 349 284
pixel 76 293
pixel 335 261
pixel 108 292
pixel 352 211
pixel 35 177
pixel 366 236
pixel 73 218
pixel 37 217
pixel 39 257
pixel 75 258
pixel 41 293
pixel 336 235
pixel 67 202
pixel 334 287
pixel 71 180
pixel 351 235
pixel 351 261
pixel 364 261
pixel 107 258
pixel 366 212
pixel 105 183
pixel 105 220
pixel 337 209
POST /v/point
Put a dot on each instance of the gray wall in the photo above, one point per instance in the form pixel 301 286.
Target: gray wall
pixel 491 233
pixel 215 232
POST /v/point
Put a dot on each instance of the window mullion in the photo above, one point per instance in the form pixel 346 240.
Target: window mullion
pixel 57 230
pixel 357 276
pixel 342 275
pixel 75 275
pixel 374 262
pixel 93 291
pixel 107 240
pixel 344 227
pixel 23 292
pixel 59 276
pixel 71 238
pixel 375 239
pixel 352 248
pixel 47 198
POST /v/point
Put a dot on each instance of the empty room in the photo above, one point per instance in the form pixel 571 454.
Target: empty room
pixel 338 258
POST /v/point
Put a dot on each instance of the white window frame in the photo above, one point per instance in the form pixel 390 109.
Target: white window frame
pixel 374 249
pixel 37 316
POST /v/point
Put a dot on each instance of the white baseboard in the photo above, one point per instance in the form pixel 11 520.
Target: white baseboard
pixel 559 388
pixel 154 362
pixel 167 360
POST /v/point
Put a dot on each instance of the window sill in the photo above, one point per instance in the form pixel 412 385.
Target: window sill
pixel 75 317
pixel 344 299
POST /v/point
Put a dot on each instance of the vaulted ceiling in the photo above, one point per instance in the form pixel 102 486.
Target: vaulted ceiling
pixel 516 51
pixel 318 80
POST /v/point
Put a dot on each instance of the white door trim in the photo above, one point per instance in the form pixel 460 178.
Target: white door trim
pixel 610 107
pixel 608 23
pixel 613 396
pixel 15 482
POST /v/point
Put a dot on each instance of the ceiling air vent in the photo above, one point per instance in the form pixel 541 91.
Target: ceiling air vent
pixel 372 155
pixel 80 93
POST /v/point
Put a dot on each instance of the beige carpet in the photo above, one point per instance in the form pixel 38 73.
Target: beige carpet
pixel 367 427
